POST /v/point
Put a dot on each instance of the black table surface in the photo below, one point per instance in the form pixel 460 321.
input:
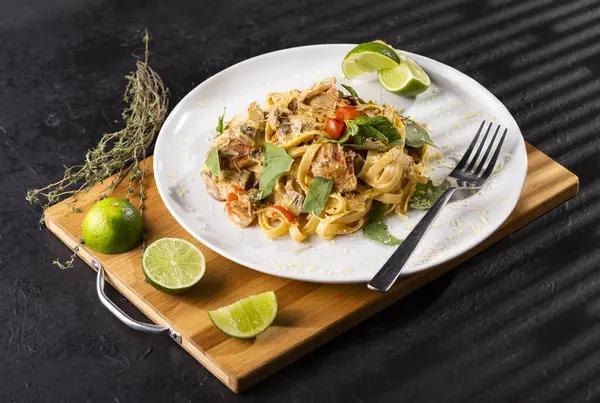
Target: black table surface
pixel 515 323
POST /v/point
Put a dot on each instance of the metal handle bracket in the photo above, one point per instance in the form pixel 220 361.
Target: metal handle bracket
pixel 122 316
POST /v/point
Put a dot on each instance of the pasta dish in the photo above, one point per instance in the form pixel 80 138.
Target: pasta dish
pixel 318 161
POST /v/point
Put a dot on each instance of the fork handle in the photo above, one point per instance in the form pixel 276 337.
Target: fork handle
pixel 389 273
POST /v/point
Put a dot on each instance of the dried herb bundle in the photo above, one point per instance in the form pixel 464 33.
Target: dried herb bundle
pixel 120 152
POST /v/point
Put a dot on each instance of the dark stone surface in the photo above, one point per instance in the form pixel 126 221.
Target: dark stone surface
pixel 516 323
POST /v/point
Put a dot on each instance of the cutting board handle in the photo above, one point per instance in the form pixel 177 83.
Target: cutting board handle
pixel 122 316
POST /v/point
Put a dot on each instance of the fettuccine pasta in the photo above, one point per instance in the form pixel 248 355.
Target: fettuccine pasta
pixel 357 151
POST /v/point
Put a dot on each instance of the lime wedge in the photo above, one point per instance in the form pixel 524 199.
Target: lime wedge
pixel 407 79
pixel 248 317
pixel 173 265
pixel 368 57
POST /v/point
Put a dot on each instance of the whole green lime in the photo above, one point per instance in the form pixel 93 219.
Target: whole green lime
pixel 112 225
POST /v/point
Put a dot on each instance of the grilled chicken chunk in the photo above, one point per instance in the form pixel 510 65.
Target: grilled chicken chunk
pixel 324 100
pixel 331 162
pixel 219 188
pixel 316 89
pixel 241 143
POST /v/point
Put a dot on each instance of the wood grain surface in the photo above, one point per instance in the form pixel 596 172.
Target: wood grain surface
pixel 309 314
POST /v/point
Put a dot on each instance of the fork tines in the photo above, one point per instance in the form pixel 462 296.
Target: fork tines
pixel 474 165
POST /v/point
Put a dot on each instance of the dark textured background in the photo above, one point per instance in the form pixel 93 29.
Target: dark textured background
pixel 519 322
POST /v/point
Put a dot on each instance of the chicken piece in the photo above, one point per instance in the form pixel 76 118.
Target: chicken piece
pixel 293 201
pixel 219 188
pixel 325 100
pixel 331 162
pixel 237 155
pixel 242 141
pixel 318 88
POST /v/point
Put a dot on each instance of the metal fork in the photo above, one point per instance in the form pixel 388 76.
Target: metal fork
pixel 466 175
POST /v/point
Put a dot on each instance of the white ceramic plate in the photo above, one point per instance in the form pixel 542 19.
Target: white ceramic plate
pixel 453 108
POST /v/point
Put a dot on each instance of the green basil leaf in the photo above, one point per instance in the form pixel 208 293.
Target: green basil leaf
pixel 416 136
pixel 213 163
pixel 379 127
pixel 353 93
pixel 368 144
pixel 425 195
pixel 317 196
pixel 376 229
pixel 277 162
pixel 219 127
pixel 372 132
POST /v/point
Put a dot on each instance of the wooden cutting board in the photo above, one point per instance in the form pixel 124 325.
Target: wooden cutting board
pixel 309 314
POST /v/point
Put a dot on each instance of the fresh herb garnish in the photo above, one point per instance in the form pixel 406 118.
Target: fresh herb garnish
pixel 353 93
pixel 376 229
pixel 277 162
pixel 425 195
pixel 213 163
pixel 416 136
pixel 379 129
pixel 368 144
pixel 219 127
pixel 317 196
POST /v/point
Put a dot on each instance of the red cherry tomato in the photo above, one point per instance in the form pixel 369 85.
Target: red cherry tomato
pixel 237 189
pixel 348 113
pixel 234 193
pixel 286 213
pixel 334 128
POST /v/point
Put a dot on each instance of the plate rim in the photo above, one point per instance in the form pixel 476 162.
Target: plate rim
pixel 329 280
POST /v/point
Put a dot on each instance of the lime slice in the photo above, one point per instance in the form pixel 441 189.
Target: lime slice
pixel 248 317
pixel 368 57
pixel 407 79
pixel 173 265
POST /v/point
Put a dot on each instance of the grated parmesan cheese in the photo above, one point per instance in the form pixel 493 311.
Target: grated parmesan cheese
pixel 483 216
pixel 475 228
pixel 435 156
pixel 455 236
pixel 300 249
pixel 471 115
pixel 181 192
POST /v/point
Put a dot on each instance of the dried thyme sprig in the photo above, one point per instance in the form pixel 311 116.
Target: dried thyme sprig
pixel 117 153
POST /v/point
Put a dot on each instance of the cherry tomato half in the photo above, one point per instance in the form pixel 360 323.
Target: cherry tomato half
pixel 348 113
pixel 286 213
pixel 232 197
pixel 334 128
pixel 234 193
